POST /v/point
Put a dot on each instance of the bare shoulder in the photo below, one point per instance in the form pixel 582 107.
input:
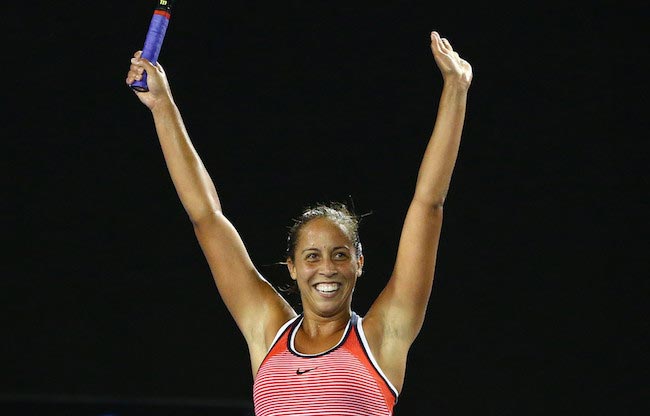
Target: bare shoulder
pixel 261 336
pixel 256 306
pixel 389 349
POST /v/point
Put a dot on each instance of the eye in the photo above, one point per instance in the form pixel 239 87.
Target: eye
pixel 311 256
pixel 340 255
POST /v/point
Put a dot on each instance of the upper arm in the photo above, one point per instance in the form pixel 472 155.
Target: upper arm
pixel 258 309
pixel 400 308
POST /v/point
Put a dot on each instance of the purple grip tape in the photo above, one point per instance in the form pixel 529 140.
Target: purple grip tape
pixel 152 44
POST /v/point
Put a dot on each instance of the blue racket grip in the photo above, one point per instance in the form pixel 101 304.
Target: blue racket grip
pixel 152 44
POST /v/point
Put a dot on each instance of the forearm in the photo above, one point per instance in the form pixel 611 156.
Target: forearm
pixel 191 180
pixel 439 158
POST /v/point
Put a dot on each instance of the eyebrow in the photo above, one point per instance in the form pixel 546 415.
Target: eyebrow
pixel 318 249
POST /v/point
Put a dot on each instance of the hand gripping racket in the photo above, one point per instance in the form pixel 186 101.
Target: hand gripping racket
pixel 154 39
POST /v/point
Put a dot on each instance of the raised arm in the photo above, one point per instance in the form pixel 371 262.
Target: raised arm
pixel 397 315
pixel 256 307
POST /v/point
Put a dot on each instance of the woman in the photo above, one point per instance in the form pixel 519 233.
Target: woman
pixel 327 360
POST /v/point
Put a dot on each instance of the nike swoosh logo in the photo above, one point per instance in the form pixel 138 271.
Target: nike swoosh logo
pixel 299 371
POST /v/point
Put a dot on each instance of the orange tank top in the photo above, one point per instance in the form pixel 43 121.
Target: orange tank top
pixel 345 380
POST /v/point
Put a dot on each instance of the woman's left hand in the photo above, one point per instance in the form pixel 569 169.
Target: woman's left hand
pixel 452 66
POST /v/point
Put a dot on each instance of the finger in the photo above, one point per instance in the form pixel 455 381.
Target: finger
pixel 435 39
pixel 135 73
pixel 131 78
pixel 135 64
pixel 140 62
pixel 149 67
pixel 436 44
pixel 136 70
pixel 447 45
pixel 143 64
pixel 138 54
pixel 136 67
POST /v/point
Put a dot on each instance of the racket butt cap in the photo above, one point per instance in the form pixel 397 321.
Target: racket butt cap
pixel 139 88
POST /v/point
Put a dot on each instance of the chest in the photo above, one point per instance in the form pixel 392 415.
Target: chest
pixel 338 381
pixel 312 346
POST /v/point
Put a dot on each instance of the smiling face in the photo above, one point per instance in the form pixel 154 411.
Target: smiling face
pixel 326 267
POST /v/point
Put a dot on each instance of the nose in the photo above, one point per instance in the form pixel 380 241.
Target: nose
pixel 328 268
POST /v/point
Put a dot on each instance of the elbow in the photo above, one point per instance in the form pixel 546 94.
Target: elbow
pixel 438 204
pixel 200 208
pixel 427 210
pixel 208 216
pixel 430 203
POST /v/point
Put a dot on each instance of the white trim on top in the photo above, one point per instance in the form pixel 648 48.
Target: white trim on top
pixel 281 331
pixel 292 338
pixel 364 341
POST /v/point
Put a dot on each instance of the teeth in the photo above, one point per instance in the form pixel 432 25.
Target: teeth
pixel 327 287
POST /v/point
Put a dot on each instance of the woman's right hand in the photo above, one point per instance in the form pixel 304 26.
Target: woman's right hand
pixel 156 81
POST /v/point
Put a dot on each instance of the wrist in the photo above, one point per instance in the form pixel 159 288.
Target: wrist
pixel 162 105
pixel 456 84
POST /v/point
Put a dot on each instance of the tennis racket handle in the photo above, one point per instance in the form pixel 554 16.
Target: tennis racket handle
pixel 152 44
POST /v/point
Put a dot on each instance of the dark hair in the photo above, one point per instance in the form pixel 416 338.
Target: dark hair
pixel 336 212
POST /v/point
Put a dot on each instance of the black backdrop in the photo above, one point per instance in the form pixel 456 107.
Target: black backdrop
pixel 104 289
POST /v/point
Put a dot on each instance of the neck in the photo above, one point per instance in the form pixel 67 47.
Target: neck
pixel 314 325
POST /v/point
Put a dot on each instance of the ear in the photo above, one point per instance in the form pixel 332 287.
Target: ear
pixel 292 269
pixel 360 265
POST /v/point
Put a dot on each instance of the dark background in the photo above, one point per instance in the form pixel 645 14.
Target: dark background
pixel 536 306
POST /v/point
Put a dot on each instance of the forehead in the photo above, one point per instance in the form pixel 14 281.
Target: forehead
pixel 321 231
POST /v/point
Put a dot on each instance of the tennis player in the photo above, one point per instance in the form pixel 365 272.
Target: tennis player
pixel 327 360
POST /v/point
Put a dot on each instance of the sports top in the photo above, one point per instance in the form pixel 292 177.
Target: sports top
pixel 344 380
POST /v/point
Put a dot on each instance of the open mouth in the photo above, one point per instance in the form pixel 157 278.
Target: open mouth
pixel 327 288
